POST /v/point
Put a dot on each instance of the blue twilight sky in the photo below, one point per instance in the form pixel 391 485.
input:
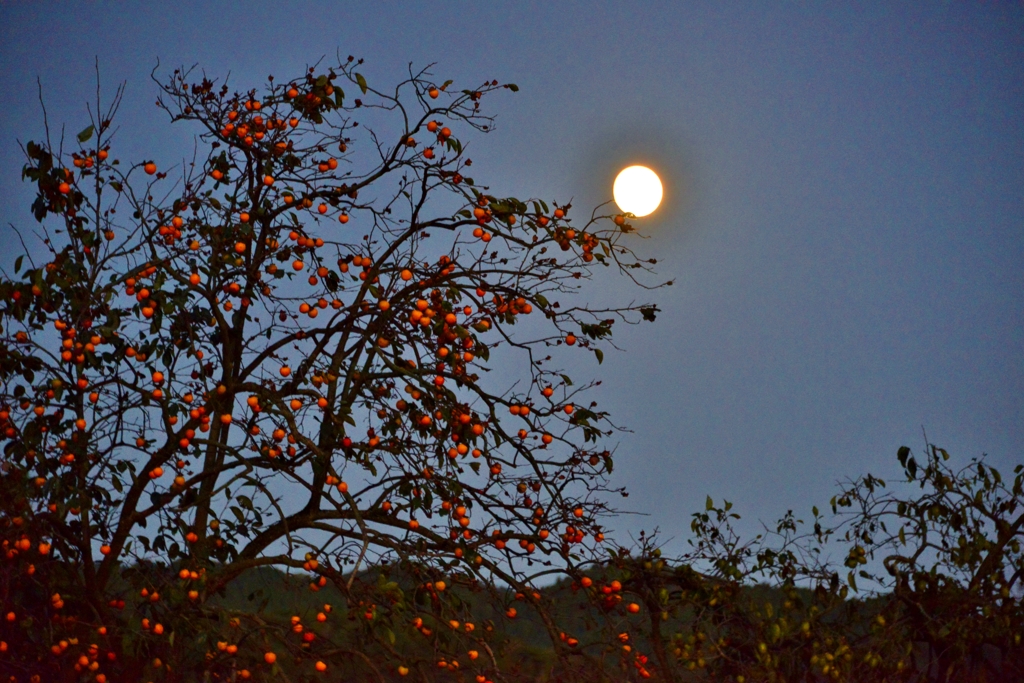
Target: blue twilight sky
pixel 844 223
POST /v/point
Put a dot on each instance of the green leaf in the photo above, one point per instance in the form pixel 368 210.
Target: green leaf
pixel 903 537
pixel 85 134
pixel 709 504
pixel 17 263
pixel 852 580
pixel 513 87
pixel 339 96
pixel 362 82
pixel 391 635
pixel 600 355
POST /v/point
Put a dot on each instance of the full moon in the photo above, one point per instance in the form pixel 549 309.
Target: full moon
pixel 637 190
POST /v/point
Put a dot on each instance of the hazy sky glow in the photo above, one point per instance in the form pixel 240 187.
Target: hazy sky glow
pixel 843 214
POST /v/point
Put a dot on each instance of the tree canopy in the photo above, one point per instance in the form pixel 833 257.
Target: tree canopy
pixel 318 345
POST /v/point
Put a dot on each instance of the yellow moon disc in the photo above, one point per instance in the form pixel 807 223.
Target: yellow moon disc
pixel 637 190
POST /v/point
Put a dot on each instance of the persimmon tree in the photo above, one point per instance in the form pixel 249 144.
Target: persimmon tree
pixel 317 344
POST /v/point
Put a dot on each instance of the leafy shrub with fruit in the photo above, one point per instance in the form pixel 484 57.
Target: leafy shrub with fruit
pixel 926 585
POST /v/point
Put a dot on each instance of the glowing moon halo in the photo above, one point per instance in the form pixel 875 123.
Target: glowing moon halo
pixel 637 190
